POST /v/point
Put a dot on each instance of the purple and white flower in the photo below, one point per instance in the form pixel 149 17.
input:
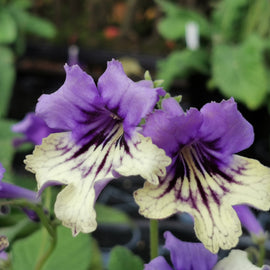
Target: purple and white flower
pixel 206 178
pixel 189 256
pixel 101 140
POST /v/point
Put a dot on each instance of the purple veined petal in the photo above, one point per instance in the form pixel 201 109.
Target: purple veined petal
pixel 166 127
pixel 128 100
pixel 248 219
pixel 189 256
pixel 60 160
pixel 33 128
pixel 224 129
pixel 236 260
pixel 158 263
pixel 208 197
pixel 204 180
pixel 72 103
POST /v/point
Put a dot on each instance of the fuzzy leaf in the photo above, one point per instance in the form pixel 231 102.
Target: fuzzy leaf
pixel 239 71
pixel 180 64
pixel 70 252
pixel 122 259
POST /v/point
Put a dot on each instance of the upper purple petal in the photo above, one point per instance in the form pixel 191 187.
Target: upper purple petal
pixel 217 127
pixel 91 112
pixel 170 128
pixel 224 125
pixel 68 106
pixel 128 100
pixel 158 263
pixel 189 256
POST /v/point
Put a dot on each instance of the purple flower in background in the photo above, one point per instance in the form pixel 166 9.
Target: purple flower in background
pixel 10 191
pixel 101 140
pixel 248 220
pixel 3 245
pixel 205 178
pixel 184 256
pixel 33 128
pixel 190 256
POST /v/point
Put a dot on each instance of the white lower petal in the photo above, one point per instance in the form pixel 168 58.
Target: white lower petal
pixel 75 207
pixel 236 260
pixel 209 199
pixel 58 160
pixel 144 159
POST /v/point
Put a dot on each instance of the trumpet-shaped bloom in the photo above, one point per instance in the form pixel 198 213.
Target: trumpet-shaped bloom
pixel 33 128
pixel 206 178
pixel 189 256
pixel 100 140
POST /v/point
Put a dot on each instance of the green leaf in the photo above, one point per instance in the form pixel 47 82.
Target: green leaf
pixel 7 150
pixel 228 18
pixel 110 215
pixel 122 259
pixel 24 226
pixel 7 77
pixel 70 252
pixel 37 26
pixel 239 71
pixel 180 64
pixel 8 32
pixel 172 26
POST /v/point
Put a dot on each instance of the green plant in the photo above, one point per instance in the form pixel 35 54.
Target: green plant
pixel 233 52
pixel 16 22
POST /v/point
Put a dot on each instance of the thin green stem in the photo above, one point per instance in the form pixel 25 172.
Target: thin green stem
pixel 46 255
pixel 261 254
pixel 36 208
pixel 153 238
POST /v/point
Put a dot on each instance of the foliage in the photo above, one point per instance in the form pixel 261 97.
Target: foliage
pixel 234 44
pixel 16 21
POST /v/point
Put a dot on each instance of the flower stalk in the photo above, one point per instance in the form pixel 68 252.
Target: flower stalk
pixel 153 238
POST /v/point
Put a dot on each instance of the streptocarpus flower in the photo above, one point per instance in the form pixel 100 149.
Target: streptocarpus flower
pixel 206 178
pixel 101 140
pixel 33 128
pixel 190 256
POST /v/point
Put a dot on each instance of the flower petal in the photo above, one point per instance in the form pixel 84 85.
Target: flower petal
pixel 33 128
pixel 59 160
pixel 75 207
pixel 158 263
pixel 186 255
pixel 233 135
pixel 248 220
pixel 236 260
pixel 129 100
pixel 145 159
pixel 208 196
pixel 77 94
